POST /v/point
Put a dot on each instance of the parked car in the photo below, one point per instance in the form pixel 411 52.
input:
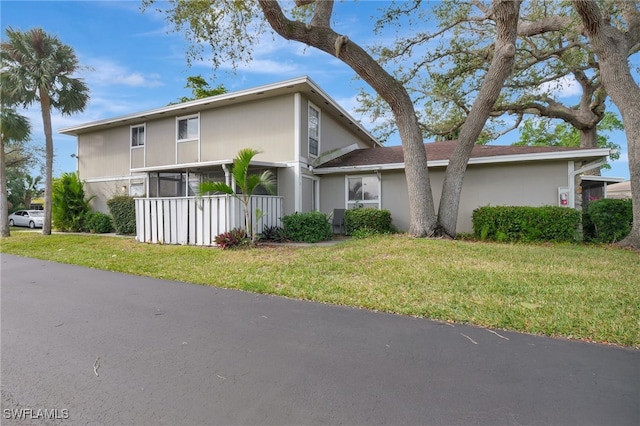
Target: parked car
pixel 30 218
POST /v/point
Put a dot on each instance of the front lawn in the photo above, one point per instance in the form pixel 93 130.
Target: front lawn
pixel 575 291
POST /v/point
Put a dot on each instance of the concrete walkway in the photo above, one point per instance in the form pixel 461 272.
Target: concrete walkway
pixel 116 349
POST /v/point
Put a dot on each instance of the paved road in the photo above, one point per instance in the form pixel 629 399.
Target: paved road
pixel 181 354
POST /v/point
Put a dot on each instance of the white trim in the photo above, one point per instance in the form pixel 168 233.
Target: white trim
pixel 603 179
pixel 196 139
pixel 170 167
pixel 143 146
pixel 297 169
pixel 114 178
pixel 314 181
pixel 515 158
pixel 364 203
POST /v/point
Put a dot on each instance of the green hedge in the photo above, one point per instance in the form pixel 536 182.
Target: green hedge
pixel 308 227
pixel 367 221
pixel 607 220
pixel 123 211
pixel 98 223
pixel 505 223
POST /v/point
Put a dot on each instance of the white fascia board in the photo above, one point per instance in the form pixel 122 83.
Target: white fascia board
pixel 538 156
pixel 603 178
pixel 219 98
pixel 203 164
pixel 113 178
pixel 564 155
pixel 356 169
pixel 184 105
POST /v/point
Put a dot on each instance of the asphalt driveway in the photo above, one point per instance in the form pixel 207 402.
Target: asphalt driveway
pixel 95 347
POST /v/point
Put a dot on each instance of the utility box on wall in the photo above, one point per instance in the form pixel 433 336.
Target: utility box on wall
pixel 563 196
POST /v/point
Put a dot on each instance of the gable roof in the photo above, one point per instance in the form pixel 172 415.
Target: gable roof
pixel 438 154
pixel 302 84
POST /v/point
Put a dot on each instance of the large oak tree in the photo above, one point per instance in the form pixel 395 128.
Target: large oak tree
pixel 612 46
pixel 231 27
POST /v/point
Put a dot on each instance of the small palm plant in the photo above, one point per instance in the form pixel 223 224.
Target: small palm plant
pixel 246 183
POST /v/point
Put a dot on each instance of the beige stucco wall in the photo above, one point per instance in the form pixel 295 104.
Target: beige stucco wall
pixel 161 142
pixel 103 192
pixel 105 153
pixel 286 185
pixel 531 184
pixel 264 124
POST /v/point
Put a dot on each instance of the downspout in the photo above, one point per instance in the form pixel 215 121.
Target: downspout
pixel 572 179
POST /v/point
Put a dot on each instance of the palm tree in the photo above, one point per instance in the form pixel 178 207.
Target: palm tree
pixel 245 182
pixel 31 189
pixel 38 67
pixel 13 127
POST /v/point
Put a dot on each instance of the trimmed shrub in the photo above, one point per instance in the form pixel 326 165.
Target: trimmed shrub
pixel 308 227
pixel 235 238
pixel 123 212
pixel 607 220
pixel 275 234
pixel 98 223
pixel 367 221
pixel 506 223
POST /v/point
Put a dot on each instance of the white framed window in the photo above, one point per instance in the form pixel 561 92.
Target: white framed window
pixel 363 191
pixel 314 131
pixel 188 128
pixel 138 136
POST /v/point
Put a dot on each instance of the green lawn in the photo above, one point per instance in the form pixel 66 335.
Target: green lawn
pixel 575 291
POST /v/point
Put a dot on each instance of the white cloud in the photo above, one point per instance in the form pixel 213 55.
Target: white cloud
pixel 564 87
pixel 104 72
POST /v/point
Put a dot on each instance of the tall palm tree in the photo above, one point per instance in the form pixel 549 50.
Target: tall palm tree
pixel 31 189
pixel 245 182
pixel 13 127
pixel 37 67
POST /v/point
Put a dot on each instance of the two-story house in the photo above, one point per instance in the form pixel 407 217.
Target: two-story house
pixel 323 159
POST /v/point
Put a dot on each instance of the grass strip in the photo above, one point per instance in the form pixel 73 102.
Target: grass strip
pixel 574 291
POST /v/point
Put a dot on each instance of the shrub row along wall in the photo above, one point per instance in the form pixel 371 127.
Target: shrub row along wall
pixel 547 223
pixel 367 221
pixel 607 220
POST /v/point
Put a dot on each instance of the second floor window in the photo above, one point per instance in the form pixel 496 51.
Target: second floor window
pixel 137 136
pixel 188 128
pixel 314 131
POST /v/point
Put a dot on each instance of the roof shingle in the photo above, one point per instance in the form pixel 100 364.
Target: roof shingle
pixel 435 152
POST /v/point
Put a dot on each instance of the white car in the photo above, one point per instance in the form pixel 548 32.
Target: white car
pixel 30 218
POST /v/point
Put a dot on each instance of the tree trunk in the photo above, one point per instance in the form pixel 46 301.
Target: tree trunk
pixel 45 105
pixel 589 137
pixel 506 14
pixel 612 49
pixel 4 202
pixel 321 36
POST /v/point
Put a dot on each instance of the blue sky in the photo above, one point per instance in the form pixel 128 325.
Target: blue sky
pixel 133 63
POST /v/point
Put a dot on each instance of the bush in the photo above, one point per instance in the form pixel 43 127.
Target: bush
pixel 308 227
pixel 123 211
pixel 367 221
pixel 547 223
pixel 98 223
pixel 69 206
pixel 275 234
pixel 607 220
pixel 237 237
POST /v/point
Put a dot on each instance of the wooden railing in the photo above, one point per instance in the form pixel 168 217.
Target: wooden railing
pixel 197 220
